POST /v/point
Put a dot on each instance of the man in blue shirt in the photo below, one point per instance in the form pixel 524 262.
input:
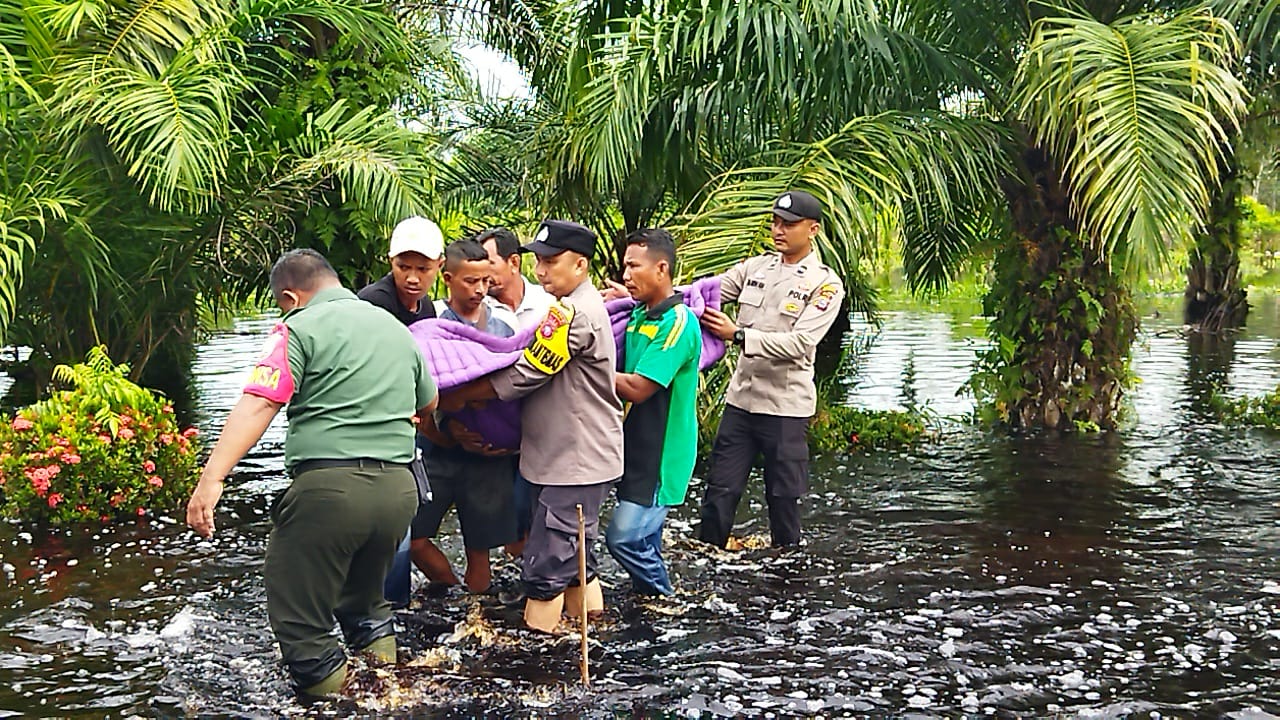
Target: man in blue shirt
pixel 476 482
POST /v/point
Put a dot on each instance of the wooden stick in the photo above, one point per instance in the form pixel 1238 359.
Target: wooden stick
pixel 582 584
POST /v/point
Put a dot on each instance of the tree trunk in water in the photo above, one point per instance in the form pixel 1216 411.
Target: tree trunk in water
pixel 1063 323
pixel 1215 299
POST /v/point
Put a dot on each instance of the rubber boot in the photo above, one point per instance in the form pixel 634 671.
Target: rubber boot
pixel 382 650
pixel 543 615
pixel 573 597
pixel 331 685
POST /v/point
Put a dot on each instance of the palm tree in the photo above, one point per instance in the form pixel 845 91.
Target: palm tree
pixel 180 146
pixel 1215 297
pixel 1086 145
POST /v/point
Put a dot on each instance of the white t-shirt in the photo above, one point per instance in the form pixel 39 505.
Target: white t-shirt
pixel 533 308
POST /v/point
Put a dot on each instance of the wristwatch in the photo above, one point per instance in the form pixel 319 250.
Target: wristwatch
pixel 739 336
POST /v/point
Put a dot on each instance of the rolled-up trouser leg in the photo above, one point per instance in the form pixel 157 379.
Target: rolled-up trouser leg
pixel 322 522
pixel 731 458
pixel 551 554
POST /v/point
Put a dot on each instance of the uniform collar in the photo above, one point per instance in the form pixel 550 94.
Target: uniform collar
pixel 324 296
pixel 661 308
pixel 808 262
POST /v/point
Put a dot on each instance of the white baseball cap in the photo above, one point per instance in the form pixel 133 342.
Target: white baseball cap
pixel 417 234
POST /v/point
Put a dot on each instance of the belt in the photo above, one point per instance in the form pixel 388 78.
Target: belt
pixel 361 463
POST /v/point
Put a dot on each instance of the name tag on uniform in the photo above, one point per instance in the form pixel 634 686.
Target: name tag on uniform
pixel 549 351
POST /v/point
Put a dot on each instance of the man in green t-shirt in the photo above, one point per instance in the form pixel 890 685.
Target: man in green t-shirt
pixel 659 380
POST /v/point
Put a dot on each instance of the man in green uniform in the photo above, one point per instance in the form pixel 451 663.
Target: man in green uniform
pixel 353 379
pixel 660 432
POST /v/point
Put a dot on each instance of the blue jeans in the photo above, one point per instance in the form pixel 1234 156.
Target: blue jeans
pixel 397 586
pixel 634 538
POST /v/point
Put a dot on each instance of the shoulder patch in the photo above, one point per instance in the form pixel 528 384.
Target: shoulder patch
pixel 271 378
pixel 823 296
pixel 549 351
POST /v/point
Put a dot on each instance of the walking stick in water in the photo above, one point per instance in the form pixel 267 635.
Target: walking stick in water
pixel 582 583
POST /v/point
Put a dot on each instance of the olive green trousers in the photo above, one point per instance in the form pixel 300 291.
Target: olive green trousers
pixel 335 534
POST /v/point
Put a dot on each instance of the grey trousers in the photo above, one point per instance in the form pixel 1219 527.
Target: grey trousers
pixel 551 553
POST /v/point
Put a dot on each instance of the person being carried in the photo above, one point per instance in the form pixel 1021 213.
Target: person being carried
pixel 659 379
pixel 353 379
pixel 571 424
pixel 787 301
pixel 475 481
pixel 416 252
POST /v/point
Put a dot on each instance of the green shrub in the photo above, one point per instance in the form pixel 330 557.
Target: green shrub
pixel 837 428
pixel 102 449
pixel 1262 411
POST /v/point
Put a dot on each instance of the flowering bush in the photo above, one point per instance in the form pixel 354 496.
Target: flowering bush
pixel 104 448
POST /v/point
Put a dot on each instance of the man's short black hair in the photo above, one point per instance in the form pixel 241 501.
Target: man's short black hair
pixel 504 240
pixel 302 269
pixel 658 242
pixel 459 251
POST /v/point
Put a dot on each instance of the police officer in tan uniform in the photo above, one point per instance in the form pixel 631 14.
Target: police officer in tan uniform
pixel 787 302
pixel 571 420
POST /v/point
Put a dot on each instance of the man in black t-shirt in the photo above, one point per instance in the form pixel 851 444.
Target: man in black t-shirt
pixel 417 251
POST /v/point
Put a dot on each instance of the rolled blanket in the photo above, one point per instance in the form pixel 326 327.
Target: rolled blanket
pixel 699 296
pixel 458 353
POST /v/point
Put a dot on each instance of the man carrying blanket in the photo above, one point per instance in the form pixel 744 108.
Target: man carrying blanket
pixel 786 302
pixel 571 423
pixel 660 380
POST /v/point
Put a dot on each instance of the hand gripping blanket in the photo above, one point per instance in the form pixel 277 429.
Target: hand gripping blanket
pixel 457 354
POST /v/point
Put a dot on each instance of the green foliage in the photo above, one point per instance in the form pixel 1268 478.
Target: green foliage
pixel 1137 113
pixel 1062 324
pixel 162 152
pixel 844 429
pixel 1261 411
pixel 104 448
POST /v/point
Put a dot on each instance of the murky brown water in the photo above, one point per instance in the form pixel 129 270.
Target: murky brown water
pixel 1130 575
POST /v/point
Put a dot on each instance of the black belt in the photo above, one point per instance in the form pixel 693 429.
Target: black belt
pixel 361 463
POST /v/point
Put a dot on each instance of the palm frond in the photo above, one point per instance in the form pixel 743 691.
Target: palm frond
pixel 1137 114
pixel 925 167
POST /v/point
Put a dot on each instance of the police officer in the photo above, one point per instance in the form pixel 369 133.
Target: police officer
pixel 786 303
pixel 571 420
pixel 352 378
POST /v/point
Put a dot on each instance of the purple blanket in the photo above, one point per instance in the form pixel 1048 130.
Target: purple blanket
pixel 458 353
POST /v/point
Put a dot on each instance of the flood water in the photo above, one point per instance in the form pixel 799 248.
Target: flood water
pixel 1130 575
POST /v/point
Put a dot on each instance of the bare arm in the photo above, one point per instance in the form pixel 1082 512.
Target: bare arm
pixel 635 388
pixel 244 426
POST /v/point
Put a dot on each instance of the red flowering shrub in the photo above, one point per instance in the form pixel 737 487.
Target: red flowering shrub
pixel 104 448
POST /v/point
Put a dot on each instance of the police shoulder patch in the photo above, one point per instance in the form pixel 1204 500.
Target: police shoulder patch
pixel 549 350
pixel 823 296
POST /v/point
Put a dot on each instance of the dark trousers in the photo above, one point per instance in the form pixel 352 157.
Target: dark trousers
pixel 743 435
pixel 551 554
pixel 335 533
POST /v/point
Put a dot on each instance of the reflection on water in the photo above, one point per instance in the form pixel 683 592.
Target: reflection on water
pixel 1124 575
